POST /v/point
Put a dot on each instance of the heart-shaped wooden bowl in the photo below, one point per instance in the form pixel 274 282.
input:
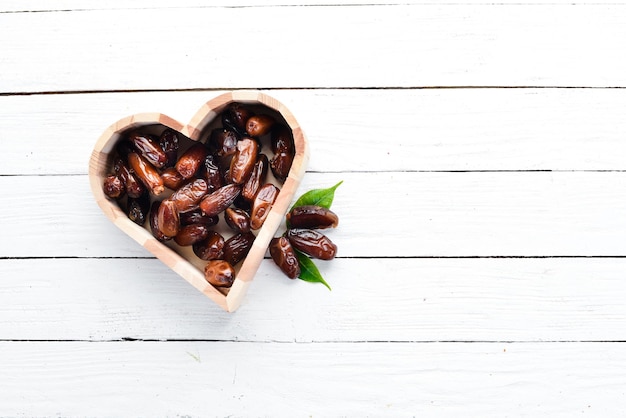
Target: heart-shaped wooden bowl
pixel 181 261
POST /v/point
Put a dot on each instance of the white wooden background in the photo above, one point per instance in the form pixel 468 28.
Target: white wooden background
pixel 482 243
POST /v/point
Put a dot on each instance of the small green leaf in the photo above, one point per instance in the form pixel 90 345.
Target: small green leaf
pixel 319 197
pixel 308 270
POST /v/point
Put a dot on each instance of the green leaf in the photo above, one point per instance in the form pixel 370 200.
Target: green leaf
pixel 308 270
pixel 319 197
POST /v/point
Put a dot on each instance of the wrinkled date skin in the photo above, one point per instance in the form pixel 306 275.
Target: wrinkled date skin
pixel 191 234
pixel 211 248
pixel 113 186
pixel 168 219
pixel 243 161
pixel 259 125
pixel 190 162
pixel 262 205
pixel 138 208
pixel 282 139
pixel 170 143
pixel 237 219
pixel 149 148
pixel 235 117
pixel 257 178
pixel 312 243
pixel 154 222
pixel 216 202
pixel 281 164
pixel 236 248
pixel 188 196
pixel 312 217
pixel 133 186
pixel 219 273
pixel 284 256
pixel 197 217
pixel 223 142
pixel 146 172
pixel 172 178
pixel 210 172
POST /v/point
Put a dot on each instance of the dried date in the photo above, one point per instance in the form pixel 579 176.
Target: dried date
pixel 191 234
pixel 188 196
pixel 284 256
pixel 257 178
pixel 146 172
pixel 243 161
pixel 113 186
pixel 312 217
pixel 312 243
pixel 170 143
pixel 219 273
pixel 168 218
pixel 216 202
pixel 149 148
pixel 237 219
pixel 259 125
pixel 137 208
pixel 211 248
pixel 262 205
pixel 192 159
pixel 154 222
pixel 237 247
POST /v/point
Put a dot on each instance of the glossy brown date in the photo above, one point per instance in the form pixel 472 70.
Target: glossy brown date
pixel 312 243
pixel 219 273
pixel 259 125
pixel 149 148
pixel 133 186
pixel 154 222
pixel 280 165
pixel 191 234
pixel 216 202
pixel 282 139
pixel 170 143
pixel 192 159
pixel 237 247
pixel 168 218
pixel 237 219
pixel 235 117
pixel 257 178
pixel 312 217
pixel 284 256
pixel 211 173
pixel 137 208
pixel 188 196
pixel 172 178
pixel 210 248
pixel 223 142
pixel 146 172
pixel 243 161
pixel 113 186
pixel 263 202
pixel 197 217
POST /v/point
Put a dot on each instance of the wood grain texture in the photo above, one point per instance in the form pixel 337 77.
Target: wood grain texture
pixel 251 379
pixel 373 300
pixel 433 45
pixel 395 130
pixel 395 214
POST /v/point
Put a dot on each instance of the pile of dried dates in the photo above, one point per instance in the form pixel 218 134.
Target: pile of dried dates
pixel 182 188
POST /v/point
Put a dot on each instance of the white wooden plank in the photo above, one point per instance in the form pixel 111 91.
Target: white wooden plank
pixel 354 130
pixel 359 46
pixel 250 379
pixel 405 300
pixel 84 5
pixel 381 215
